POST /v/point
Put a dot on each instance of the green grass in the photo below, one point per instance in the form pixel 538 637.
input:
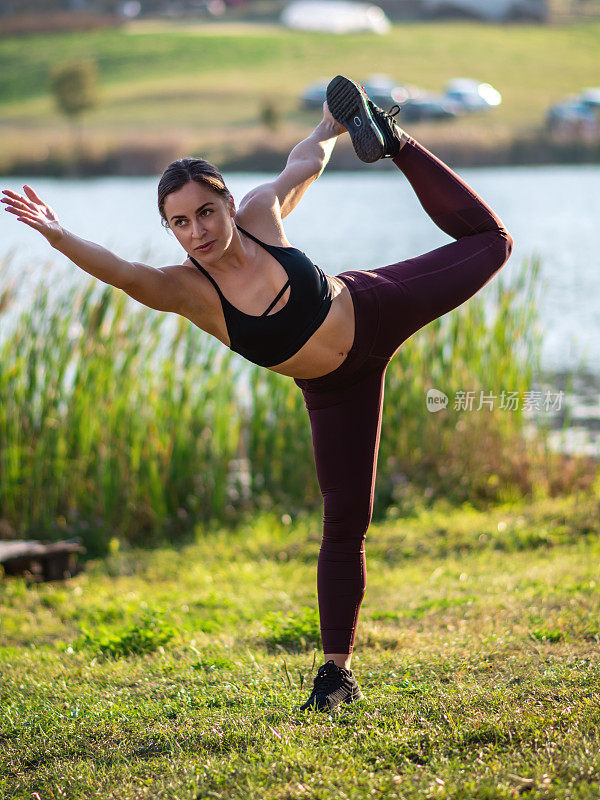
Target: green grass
pixel 477 650
pixel 208 83
pixel 530 63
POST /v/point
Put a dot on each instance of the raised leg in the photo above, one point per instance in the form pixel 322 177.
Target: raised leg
pixel 444 195
pixel 424 288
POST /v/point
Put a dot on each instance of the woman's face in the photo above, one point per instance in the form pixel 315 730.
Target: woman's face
pixel 201 220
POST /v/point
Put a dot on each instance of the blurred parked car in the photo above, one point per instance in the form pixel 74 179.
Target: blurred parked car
pixel 315 95
pixel 335 16
pixel 468 95
pixel 571 108
pixel 575 119
pixel 383 90
pixel 420 108
pixel 493 10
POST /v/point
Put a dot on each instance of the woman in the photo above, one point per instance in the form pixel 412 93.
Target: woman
pixel 245 284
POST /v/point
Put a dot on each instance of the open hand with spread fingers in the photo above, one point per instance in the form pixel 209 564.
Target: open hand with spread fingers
pixel 33 212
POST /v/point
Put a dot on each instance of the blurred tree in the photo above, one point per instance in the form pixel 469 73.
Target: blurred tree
pixel 74 87
pixel 270 114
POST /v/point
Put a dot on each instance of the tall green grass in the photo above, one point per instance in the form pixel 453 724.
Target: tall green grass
pixel 116 421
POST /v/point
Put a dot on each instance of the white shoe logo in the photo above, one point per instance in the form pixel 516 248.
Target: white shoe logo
pixel 357 121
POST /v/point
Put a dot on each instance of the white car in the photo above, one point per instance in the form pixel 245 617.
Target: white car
pixel 335 16
pixel 591 97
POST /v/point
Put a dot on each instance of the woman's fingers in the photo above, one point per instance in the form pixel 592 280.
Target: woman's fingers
pixel 17 204
pixel 32 195
pixel 30 210
pixel 20 212
pixel 28 191
pixel 15 196
pixel 17 201
pixel 32 224
pixel 31 200
pixel 23 212
pixel 35 205
pixel 24 216
pixel 11 197
pixel 33 221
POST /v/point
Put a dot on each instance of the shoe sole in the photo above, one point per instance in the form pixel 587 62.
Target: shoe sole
pixel 354 698
pixel 348 105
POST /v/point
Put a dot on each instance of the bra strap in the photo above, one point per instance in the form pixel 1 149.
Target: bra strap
pixel 267 247
pixel 208 275
pixel 279 295
pixel 258 241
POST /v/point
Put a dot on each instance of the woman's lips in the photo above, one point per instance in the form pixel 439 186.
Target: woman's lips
pixel 206 247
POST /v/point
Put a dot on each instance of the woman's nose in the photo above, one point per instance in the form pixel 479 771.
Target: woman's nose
pixel 197 229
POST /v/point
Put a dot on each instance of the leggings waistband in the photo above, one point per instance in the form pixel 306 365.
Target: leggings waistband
pixel 366 324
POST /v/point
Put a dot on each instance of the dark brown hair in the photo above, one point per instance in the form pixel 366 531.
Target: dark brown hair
pixel 185 170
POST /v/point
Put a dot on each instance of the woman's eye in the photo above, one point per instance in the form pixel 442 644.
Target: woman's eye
pixel 179 222
pixel 205 211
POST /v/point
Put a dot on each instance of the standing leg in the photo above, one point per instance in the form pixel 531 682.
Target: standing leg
pixel 345 426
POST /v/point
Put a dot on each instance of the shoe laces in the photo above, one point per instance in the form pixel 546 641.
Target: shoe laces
pixel 386 114
pixel 389 115
pixel 328 678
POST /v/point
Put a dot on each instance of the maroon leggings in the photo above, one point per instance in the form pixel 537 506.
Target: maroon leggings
pixel 344 406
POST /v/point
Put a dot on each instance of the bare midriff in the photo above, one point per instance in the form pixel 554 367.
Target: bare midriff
pixel 328 347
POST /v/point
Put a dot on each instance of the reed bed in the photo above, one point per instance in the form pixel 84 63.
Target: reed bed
pixel 120 422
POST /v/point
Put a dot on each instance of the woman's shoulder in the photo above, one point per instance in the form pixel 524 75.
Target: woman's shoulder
pixel 259 214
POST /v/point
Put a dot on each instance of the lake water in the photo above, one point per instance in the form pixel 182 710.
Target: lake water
pixel 358 221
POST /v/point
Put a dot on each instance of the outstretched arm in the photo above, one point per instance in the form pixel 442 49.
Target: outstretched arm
pixel 155 288
pixel 304 165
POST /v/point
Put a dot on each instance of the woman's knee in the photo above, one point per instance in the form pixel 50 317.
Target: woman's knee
pixel 502 245
pixel 347 518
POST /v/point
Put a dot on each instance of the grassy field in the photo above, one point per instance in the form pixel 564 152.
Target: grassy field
pixel 201 88
pixel 176 674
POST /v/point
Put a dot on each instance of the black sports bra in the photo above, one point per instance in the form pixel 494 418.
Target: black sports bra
pixel 273 338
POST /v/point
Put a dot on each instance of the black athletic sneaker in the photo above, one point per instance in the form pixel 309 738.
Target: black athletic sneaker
pixel 373 131
pixel 333 686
